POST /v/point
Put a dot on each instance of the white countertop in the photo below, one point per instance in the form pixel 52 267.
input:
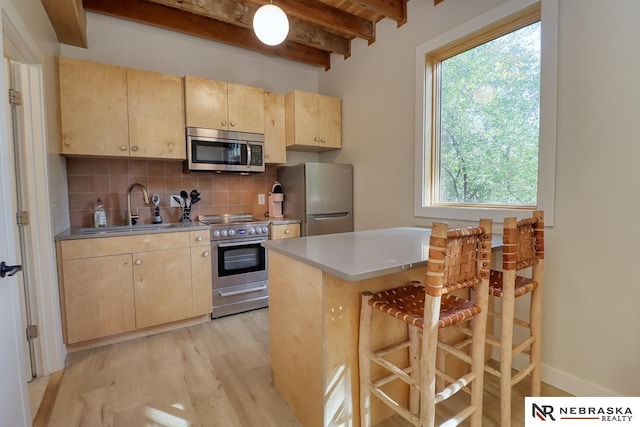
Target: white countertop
pixel 361 254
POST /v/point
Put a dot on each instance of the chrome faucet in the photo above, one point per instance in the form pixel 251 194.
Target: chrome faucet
pixel 131 218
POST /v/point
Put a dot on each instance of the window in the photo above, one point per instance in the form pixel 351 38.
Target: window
pixel 485 145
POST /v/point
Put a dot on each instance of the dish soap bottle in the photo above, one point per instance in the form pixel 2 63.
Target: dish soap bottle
pixel 99 216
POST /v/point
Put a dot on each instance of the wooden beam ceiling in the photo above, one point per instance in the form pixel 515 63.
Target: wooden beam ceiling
pixel 318 28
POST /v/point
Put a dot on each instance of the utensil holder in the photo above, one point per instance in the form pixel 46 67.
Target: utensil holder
pixel 185 216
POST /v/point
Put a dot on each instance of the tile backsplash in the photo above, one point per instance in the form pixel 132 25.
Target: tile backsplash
pixel 108 179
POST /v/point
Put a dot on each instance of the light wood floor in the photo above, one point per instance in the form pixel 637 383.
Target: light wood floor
pixel 214 374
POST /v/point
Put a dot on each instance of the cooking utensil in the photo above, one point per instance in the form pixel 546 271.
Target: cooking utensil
pixel 179 201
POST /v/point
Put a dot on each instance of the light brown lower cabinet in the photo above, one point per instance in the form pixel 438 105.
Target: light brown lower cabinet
pixel 113 285
pixel 98 297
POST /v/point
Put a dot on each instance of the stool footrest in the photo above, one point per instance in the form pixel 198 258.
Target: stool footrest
pixel 523 345
pixel 392 377
pixel 455 387
pixel 522 373
pixel 395 370
pixel 395 406
pixel 455 352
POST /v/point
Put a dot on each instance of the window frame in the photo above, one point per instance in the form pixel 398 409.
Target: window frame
pixel 426 103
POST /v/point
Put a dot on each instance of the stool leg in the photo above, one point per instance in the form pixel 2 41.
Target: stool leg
pixel 506 349
pixel 364 348
pixel 535 322
pixel 414 362
pixel 428 361
pixel 479 329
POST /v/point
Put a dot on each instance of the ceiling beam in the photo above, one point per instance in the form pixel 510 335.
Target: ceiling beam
pixel 236 13
pixel 394 9
pixel 69 21
pixel 201 26
pixel 330 18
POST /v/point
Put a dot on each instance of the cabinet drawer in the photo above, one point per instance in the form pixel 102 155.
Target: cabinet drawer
pixel 200 238
pixel 89 248
pixel 285 231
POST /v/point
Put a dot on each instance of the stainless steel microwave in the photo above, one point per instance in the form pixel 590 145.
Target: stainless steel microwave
pixel 224 151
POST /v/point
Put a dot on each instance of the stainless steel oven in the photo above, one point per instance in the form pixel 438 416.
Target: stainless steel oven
pixel 239 263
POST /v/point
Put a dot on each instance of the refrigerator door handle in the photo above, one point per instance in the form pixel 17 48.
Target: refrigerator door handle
pixel 320 217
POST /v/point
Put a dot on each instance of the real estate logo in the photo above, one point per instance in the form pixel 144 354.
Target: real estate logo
pixel 582 411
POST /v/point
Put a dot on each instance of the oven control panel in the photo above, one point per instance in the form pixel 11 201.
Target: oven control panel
pixel 239 231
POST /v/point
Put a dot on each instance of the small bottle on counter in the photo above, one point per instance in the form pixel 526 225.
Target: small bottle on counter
pixel 99 216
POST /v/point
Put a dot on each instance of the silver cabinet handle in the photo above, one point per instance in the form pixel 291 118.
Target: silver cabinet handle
pixel 266 156
pixel 323 140
pixel 287 231
pixel 316 139
pixel 205 254
pixel 138 261
pixel 232 123
pixel 199 238
pixel 134 148
pixel 224 123
pixel 123 148
pixel 244 291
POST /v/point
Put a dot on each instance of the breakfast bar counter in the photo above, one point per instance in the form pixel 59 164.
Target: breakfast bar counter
pixel 315 285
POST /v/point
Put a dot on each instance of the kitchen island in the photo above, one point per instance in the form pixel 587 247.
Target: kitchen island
pixel 315 287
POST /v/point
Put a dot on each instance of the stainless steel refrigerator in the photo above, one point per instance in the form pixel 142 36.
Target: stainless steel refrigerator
pixel 320 194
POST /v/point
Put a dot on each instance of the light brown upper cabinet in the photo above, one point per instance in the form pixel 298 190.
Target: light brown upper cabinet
pixel 156 115
pixel 93 108
pixel 313 121
pixel 227 106
pixel 274 128
pixel 114 111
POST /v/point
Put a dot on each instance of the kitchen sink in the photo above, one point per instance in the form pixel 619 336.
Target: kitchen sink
pixel 125 228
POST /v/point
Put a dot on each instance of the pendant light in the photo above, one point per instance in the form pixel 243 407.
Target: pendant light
pixel 270 24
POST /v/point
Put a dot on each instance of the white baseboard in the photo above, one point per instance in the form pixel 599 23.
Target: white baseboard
pixel 563 380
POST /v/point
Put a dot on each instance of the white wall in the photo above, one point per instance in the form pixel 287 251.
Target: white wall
pixel 32 22
pixel 591 342
pixel 125 43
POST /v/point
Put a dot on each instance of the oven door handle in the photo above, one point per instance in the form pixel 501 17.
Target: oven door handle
pixel 240 243
pixel 244 291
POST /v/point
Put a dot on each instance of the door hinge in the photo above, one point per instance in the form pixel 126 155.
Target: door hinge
pixel 32 332
pixel 22 217
pixel 15 97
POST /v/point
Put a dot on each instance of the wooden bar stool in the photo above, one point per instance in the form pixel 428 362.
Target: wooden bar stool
pixel 523 247
pixel 458 260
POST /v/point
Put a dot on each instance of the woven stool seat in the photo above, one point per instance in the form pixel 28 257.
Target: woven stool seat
pixel 407 304
pixel 524 285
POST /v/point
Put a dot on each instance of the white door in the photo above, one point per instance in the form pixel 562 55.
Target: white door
pixel 14 401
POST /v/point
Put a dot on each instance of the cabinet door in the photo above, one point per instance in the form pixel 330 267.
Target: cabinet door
pixel 285 231
pixel 156 115
pixel 246 108
pixel 93 108
pixel 206 103
pixel 201 280
pixel 330 121
pixel 162 285
pixel 98 297
pixel 302 119
pixel 274 128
